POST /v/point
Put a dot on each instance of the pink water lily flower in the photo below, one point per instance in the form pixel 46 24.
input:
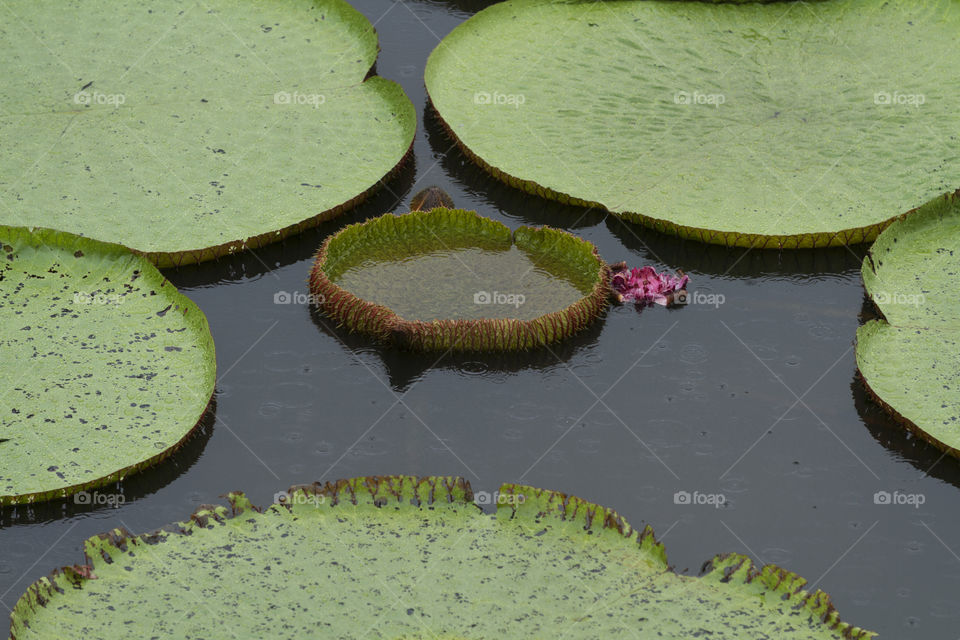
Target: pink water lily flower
pixel 646 285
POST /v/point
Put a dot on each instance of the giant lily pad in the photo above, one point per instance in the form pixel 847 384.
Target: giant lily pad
pixel 910 360
pixel 451 279
pixel 107 368
pixel 191 131
pixel 763 124
pixel 408 557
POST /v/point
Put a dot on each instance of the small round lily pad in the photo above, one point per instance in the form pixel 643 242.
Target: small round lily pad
pixel 910 359
pixel 414 557
pixel 108 368
pixel 450 279
pixel 188 132
pixel 762 124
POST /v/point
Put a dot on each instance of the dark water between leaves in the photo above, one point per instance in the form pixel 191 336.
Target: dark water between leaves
pixel 753 402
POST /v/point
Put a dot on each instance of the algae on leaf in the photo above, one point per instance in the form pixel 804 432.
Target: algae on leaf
pixel 107 367
pixel 910 360
pixel 413 557
pixel 783 124
pixel 187 131
pixel 450 279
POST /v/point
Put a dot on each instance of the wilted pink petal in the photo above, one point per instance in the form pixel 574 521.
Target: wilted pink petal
pixel 645 285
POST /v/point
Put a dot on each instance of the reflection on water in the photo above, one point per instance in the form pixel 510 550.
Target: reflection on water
pixel 134 487
pixel 635 408
pixel 465 283
pixel 404 369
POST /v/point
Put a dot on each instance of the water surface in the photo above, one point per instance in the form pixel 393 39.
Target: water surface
pixel 756 399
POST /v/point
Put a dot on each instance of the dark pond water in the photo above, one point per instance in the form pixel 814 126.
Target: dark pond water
pixel 754 399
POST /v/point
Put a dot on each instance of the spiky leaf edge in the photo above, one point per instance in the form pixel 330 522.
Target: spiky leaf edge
pixel 487 334
pixel 39 237
pixel 435 491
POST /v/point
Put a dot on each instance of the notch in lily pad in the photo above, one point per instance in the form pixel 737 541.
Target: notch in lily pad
pixel 910 358
pixel 242 124
pixel 414 557
pixel 450 279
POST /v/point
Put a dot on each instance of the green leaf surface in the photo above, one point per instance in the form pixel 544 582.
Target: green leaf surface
pixel 188 130
pixel 910 360
pixel 108 368
pixel 443 279
pixel 787 124
pixel 407 557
